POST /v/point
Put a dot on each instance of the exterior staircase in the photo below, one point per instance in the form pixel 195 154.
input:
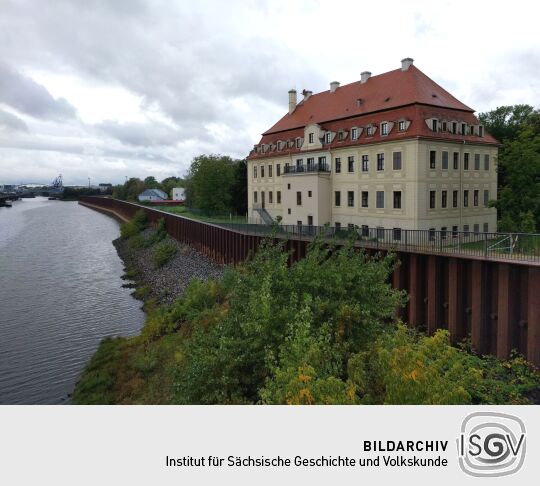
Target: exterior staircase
pixel 264 214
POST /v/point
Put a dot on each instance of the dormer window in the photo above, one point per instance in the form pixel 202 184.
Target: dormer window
pixel 463 129
pixel 298 142
pixel 369 131
pixel 443 126
pixel 434 125
pixel 311 137
pixel 354 133
pixel 454 127
pixel 471 129
pixel 279 145
pixel 327 137
pixel 480 131
pixel 384 128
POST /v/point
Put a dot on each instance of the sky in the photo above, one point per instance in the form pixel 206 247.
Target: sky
pixel 109 89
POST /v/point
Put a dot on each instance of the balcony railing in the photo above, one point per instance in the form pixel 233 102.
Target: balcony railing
pixel 302 169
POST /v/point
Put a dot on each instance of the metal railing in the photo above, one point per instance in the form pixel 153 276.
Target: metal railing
pixel 300 169
pixel 506 246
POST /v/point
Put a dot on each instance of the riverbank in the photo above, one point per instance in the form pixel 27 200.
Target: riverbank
pixel 138 370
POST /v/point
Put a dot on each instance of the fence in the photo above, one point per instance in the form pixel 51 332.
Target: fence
pixel 482 285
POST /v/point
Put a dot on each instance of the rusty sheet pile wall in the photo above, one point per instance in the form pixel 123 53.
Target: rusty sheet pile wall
pixel 496 303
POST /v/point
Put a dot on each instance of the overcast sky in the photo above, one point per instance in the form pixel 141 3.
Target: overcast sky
pixel 113 88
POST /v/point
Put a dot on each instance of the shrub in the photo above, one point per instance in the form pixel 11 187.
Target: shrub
pixel 138 224
pixel 163 252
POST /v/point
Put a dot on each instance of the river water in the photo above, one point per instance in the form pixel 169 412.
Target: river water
pixel 60 295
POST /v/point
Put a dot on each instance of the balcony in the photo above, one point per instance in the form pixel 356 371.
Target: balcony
pixel 305 169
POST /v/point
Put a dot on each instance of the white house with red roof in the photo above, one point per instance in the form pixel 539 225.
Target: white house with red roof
pixel 394 150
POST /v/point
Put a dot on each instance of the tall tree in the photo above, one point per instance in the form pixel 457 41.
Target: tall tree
pixel 504 122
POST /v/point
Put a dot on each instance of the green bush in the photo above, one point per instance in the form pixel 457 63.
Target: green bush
pixel 163 252
pixel 138 223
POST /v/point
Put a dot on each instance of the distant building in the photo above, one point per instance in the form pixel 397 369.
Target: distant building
pixel 105 187
pixel 153 195
pixel 179 194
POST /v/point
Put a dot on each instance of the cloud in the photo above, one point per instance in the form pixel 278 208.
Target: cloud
pixel 11 123
pixel 140 134
pixel 26 96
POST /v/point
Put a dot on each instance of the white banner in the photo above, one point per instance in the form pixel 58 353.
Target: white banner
pixel 53 445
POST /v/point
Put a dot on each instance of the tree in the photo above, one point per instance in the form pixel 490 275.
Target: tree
pixel 519 199
pixel 169 183
pixel 210 183
pixel 504 122
pixel 151 183
pixel 239 188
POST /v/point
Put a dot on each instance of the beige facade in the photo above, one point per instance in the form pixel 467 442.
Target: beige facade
pixel 407 184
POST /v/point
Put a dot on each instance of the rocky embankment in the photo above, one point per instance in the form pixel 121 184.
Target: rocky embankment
pixel 166 283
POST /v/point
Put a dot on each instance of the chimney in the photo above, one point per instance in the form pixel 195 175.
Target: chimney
pixel 292 101
pixel 406 63
pixel 307 93
pixel 333 86
pixel 364 76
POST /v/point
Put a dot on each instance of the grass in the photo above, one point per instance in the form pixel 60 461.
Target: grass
pixel 163 252
pixel 183 211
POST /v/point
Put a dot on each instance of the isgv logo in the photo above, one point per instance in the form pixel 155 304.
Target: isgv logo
pixel 491 444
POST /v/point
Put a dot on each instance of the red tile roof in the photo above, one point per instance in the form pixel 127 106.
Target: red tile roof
pixel 389 90
pixel 392 96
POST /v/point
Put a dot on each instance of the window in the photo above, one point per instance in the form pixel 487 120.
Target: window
pixel 369 131
pixel 454 231
pixel 431 199
pixel 434 125
pixel 431 234
pixel 299 198
pixel 337 225
pixel 486 227
pixel 476 161
pixel 380 233
pixel 444 199
pixel 278 170
pixel 310 220
pixel 350 199
pixel 486 161
pixel 309 194
pixel 466 228
pixel 465 199
pixel 397 199
pixel 270 197
pixel 286 167
pixel 456 160
pixel 354 133
pixel 454 199
pixel 465 161
pixel 471 130
pixel 278 197
pixel 480 131
pixel 351 163
pixel 443 232
pixel 463 129
pixel 486 198
pixel 401 126
pixel 299 164
pixel 454 127
pixel 288 186
pixel 311 137
pixel 396 160
pixel 365 199
pixel 338 165
pixel 255 197
pixel 298 142
pixel 365 163
pixel 350 227
pixel 475 197
pixel 340 135
pixel 380 161
pixel 445 161
pixel 397 234
pixel 337 198
pixel 365 230
pixel 432 159
pixel 255 172
pixel 476 228
pixel 279 145
pixel 311 163
pixel 289 211
pixel 328 137
pixel 443 126
pixel 269 171
pixel 384 128
pixel 299 223
pixel 262 171
pixel 380 200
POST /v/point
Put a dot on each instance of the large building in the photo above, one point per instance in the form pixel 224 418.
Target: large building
pixel 389 151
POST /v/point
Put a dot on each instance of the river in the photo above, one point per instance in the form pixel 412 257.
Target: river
pixel 60 295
